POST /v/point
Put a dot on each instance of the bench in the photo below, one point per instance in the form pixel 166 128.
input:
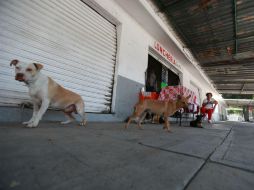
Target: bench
pixel 187 113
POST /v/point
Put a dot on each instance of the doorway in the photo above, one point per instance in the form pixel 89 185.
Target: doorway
pixel 159 76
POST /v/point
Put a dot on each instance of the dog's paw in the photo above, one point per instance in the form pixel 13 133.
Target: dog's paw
pixel 167 129
pixel 32 124
pixel 83 123
pixel 66 122
pixel 140 127
pixel 27 122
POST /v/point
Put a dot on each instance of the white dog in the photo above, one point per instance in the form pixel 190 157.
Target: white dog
pixel 45 92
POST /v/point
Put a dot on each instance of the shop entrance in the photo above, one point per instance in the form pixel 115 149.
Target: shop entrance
pixel 159 76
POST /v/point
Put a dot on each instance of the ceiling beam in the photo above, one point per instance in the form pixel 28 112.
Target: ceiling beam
pixel 239 101
pixel 233 77
pixel 237 57
pixel 234 83
pixel 210 44
pixel 167 5
pixel 236 92
pixel 235 26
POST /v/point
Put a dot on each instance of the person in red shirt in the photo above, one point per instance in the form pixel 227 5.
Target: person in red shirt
pixel 208 106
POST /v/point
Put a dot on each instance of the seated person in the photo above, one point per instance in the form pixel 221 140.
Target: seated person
pixel 208 106
pixel 151 84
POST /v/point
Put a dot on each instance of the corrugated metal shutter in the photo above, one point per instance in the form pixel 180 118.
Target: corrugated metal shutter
pixel 76 45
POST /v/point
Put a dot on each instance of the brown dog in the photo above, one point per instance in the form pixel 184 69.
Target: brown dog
pixel 165 108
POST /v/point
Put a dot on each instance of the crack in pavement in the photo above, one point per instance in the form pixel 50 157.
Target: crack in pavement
pixel 206 160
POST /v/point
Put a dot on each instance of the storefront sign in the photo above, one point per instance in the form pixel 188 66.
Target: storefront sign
pixel 162 51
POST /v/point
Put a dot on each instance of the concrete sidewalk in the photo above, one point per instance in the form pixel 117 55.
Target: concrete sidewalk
pixel 105 156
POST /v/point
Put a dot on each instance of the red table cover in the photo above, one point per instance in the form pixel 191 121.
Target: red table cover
pixel 171 93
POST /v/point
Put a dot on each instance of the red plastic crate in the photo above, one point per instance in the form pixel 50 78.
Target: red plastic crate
pixel 148 95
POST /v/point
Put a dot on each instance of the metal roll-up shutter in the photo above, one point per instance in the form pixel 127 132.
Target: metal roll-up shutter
pixel 76 45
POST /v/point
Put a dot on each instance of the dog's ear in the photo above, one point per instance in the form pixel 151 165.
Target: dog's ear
pixel 179 97
pixel 188 96
pixel 14 62
pixel 38 66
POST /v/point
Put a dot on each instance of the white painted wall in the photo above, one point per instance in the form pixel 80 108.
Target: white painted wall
pixel 137 30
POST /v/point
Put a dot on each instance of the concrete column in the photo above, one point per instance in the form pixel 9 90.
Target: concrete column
pixel 246 113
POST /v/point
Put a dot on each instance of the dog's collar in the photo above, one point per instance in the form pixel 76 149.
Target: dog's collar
pixel 27 83
pixel 36 66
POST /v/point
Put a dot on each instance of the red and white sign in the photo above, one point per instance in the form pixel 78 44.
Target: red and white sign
pixel 162 51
